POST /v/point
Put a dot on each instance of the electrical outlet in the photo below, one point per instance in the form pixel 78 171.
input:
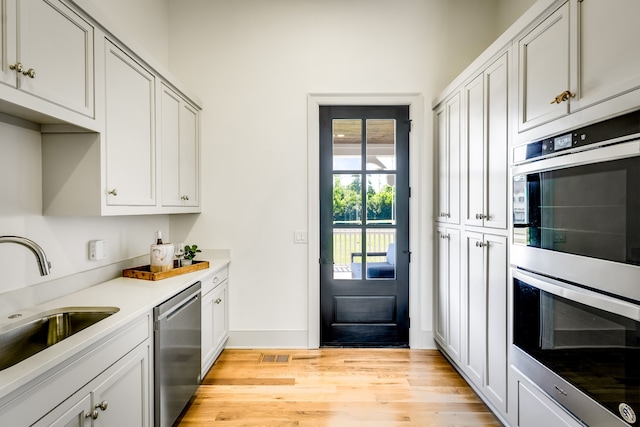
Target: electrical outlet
pixel 97 250
pixel 300 236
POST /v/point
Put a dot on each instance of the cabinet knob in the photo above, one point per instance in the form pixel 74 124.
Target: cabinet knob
pixel 563 97
pixel 186 197
pixel 30 73
pixel 481 244
pixel 114 192
pixel 16 67
pixel 102 405
pixel 93 414
pixel 218 301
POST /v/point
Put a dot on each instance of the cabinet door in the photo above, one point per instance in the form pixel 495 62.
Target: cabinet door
pixel 441 296
pixel 122 399
pixel 476 307
pixel 7 42
pixel 544 70
pixel 180 150
pixel 130 136
pixel 496 319
pixel 57 45
pixel 448 293
pixel 474 153
pixel 448 166
pixel 220 329
pixel 535 410
pixel 207 344
pixel 77 416
pixel 189 155
pixel 496 144
pixel 170 153
pixel 605 54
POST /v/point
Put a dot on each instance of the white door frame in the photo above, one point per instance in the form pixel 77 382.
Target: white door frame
pixel 421 257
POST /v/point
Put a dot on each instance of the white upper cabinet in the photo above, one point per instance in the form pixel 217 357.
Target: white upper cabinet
pixel 130 131
pixel 47 54
pixel 485 147
pixel 447 129
pixel 604 51
pixel 583 55
pixel 544 71
pixel 180 148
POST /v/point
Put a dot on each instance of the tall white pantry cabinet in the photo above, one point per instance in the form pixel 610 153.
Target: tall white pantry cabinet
pixel 555 69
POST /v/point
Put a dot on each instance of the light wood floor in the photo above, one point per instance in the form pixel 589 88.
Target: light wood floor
pixel 335 387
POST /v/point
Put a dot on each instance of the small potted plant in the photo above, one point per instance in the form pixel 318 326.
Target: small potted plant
pixel 190 254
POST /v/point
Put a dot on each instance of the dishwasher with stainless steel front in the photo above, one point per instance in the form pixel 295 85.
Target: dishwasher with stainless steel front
pixel 177 341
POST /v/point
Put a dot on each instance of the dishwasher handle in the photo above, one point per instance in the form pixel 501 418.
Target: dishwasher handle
pixel 180 306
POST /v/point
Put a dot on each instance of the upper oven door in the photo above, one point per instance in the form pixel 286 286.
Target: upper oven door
pixel 577 217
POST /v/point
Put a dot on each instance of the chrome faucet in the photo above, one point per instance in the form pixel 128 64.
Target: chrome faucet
pixel 43 264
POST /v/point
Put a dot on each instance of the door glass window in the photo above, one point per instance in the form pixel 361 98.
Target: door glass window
pixel 381 144
pixel 347 144
pixel 364 198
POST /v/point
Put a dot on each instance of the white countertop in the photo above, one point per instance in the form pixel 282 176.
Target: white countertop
pixel 134 298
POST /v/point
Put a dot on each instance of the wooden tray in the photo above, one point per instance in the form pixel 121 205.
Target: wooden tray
pixel 144 272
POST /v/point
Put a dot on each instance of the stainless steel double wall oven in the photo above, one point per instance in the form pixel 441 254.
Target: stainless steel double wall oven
pixel 575 255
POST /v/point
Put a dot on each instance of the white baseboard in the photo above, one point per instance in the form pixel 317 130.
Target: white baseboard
pixel 268 339
pixel 422 340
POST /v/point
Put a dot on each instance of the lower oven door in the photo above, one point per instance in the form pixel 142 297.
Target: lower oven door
pixel 581 347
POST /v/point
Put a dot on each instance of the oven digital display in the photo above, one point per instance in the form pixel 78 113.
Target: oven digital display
pixel 562 142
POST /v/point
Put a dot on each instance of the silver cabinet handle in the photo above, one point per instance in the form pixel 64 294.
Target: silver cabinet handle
pixel 102 405
pixel 93 414
pixel 218 301
pixel 30 73
pixel 481 244
pixel 17 67
pixel 114 192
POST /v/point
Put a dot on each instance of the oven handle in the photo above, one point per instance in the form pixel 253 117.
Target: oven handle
pixel 581 295
pixel 578 158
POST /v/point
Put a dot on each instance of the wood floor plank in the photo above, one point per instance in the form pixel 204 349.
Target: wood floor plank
pixel 335 387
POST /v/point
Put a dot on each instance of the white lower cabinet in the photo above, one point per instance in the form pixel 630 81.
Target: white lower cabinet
pixel 108 385
pixel 530 407
pixel 448 293
pixel 215 330
pixel 117 397
pixel 485 283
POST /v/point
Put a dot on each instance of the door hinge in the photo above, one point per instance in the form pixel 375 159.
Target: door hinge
pixel 410 125
pixel 409 192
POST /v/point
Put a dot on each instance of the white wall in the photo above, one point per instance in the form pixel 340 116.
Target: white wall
pixel 144 22
pixel 509 11
pixel 253 63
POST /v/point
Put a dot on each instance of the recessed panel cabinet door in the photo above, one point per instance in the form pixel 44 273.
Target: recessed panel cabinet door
pixel 130 135
pixel 544 70
pixel 180 150
pixel 7 42
pixel 55 48
pixel 605 51
pixel 447 123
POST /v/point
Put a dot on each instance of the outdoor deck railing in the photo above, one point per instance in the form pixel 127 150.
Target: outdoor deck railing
pixel 347 241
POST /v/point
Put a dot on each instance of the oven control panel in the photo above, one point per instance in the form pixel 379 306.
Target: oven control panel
pixel 613 130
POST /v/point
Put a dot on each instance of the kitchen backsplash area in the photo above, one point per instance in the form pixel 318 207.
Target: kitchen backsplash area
pixel 65 240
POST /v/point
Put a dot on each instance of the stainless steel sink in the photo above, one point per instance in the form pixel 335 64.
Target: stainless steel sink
pixel 23 339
